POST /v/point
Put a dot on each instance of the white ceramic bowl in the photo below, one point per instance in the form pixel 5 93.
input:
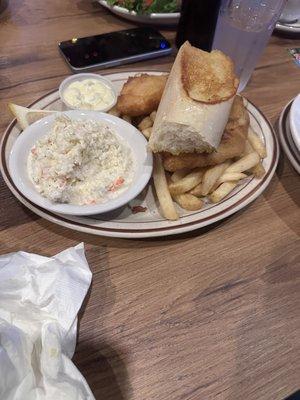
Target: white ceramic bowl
pixel 295 121
pixel 80 77
pixel 24 143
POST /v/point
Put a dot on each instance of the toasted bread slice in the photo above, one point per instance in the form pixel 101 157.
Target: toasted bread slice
pixel 207 77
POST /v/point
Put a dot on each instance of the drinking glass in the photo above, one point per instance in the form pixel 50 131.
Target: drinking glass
pixel 243 30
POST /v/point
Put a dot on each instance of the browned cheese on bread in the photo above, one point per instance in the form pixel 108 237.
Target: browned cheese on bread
pixel 208 77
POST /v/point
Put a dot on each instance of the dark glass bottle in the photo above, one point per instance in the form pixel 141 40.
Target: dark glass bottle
pixel 197 23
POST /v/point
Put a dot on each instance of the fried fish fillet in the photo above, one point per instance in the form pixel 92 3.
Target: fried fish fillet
pixel 232 143
pixel 141 95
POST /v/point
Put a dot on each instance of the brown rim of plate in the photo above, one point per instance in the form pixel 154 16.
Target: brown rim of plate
pixel 287 135
pixel 134 231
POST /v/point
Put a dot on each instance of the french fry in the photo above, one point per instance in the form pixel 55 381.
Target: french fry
pixel 248 148
pixel 145 123
pixel 258 171
pixel 244 163
pixel 179 174
pixel 211 176
pixel 257 143
pixel 114 111
pixel 187 183
pixel 127 118
pixel 197 191
pixel 188 201
pixel 222 191
pixel 231 176
pixel 153 115
pixel 147 132
pixel 162 190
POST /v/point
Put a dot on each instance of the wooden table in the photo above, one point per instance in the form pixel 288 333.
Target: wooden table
pixel 209 315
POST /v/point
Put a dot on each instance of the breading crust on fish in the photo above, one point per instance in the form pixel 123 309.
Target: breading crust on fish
pixel 141 95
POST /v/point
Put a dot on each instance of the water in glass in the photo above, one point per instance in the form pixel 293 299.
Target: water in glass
pixel 243 30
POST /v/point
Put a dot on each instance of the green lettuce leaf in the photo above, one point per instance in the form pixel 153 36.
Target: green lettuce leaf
pixel 141 7
pixel 162 6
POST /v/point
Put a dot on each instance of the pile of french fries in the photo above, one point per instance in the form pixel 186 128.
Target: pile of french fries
pixel 191 188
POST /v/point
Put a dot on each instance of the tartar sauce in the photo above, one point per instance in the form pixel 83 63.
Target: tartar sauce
pixel 88 94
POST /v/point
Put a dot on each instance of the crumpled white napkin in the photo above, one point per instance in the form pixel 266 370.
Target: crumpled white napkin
pixel 39 301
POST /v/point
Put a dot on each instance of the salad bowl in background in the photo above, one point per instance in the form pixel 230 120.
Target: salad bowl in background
pixel 165 12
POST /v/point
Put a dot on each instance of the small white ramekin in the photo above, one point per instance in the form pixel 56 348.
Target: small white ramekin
pixel 80 77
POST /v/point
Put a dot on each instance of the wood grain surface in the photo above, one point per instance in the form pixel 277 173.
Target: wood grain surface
pixel 209 315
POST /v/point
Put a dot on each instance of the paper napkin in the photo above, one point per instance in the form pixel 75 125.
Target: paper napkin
pixel 39 301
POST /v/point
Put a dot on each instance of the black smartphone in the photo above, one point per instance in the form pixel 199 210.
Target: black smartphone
pixel 115 48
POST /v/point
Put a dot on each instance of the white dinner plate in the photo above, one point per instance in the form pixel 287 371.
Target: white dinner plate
pixel 288 28
pixel 286 139
pixel 295 121
pixel 141 217
pixel 153 18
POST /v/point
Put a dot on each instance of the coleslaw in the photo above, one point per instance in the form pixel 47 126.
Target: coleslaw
pixel 80 162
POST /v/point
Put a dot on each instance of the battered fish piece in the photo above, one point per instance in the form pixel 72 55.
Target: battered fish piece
pixel 141 95
pixel 232 143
